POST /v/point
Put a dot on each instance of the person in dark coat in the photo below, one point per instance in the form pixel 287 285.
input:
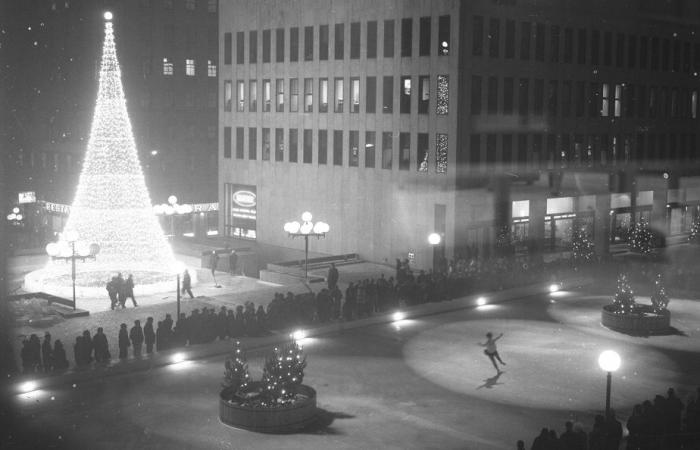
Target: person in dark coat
pixel 149 335
pixel 47 353
pixel 121 290
pixel 129 290
pixel 99 342
pixel 79 353
pixel 112 292
pixel 136 337
pixel 161 338
pixel 332 277
pixel 87 346
pixel 25 353
pixel 123 342
pixel 187 283
pixel 214 262
pixel 541 442
pixel 60 362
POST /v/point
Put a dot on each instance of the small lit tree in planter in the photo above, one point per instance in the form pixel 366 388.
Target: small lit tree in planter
pixel 279 403
pixel 659 299
pixel 640 240
pixel 694 237
pixel 582 248
pixel 627 316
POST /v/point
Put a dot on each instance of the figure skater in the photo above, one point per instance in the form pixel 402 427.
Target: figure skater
pixel 491 351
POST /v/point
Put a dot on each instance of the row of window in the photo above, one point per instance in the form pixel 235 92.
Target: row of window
pixel 188 5
pixel 327 41
pixel 581 46
pixel 286 148
pixel 339 94
pixel 571 98
pixel 190 67
pixel 562 150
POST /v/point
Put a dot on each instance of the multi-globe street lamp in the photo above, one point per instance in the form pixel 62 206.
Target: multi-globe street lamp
pixel 170 209
pixel 70 248
pixel 305 229
pixel 609 361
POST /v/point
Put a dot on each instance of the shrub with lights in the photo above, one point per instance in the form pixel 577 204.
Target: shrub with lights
pixel 282 373
pixel 640 240
pixel 236 375
pixel 659 299
pixel 694 237
pixel 624 297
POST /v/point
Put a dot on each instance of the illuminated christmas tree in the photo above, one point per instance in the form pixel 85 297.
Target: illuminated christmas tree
pixel 236 376
pixel 283 371
pixel 659 299
pixel 112 206
pixel 624 297
pixel 582 247
pixel 640 238
pixel 694 237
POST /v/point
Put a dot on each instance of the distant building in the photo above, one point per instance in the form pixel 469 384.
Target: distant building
pixel 168 51
pixel 391 120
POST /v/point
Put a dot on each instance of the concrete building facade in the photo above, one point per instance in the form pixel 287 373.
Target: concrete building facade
pixel 391 120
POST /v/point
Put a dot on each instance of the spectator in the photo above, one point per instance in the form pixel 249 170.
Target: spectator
pixel 332 277
pixel 123 342
pixel 596 438
pixel 79 353
pixel 87 346
pixel 129 290
pixel 34 347
pixel 136 337
pixel 187 283
pixel 60 362
pixel 46 353
pixel 149 335
pixel 161 338
pixel 541 442
pixel 99 342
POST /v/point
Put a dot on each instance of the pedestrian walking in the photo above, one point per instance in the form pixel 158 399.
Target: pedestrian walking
pixel 112 292
pixel 233 262
pixel 123 342
pixel 136 337
pixel 149 335
pixel 332 277
pixel 187 283
pixel 129 290
pixel 121 290
pixel 491 351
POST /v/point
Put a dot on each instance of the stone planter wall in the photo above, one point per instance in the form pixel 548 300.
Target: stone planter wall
pixel 270 420
pixel 649 323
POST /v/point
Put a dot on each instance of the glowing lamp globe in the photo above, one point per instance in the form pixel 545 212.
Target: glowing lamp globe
pixel 434 239
pixel 52 249
pixel 11 217
pixel 306 228
pixel 15 210
pixel 108 15
pixel 306 216
pixel 18 216
pixel 172 199
pixel 609 361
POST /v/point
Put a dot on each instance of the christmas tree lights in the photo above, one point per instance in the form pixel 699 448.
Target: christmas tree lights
pixel 659 299
pixel 640 238
pixel 236 375
pixel 283 371
pixel 624 297
pixel 112 206
pixel 694 237
pixel 582 247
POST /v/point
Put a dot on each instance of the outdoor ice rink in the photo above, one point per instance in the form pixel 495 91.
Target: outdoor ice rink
pixel 421 383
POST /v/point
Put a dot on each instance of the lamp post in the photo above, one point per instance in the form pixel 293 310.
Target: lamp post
pixel 435 239
pixel 306 229
pixel 66 248
pixel 609 361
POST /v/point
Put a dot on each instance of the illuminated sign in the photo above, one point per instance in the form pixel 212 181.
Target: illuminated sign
pixel 57 208
pixel 244 199
pixel 26 197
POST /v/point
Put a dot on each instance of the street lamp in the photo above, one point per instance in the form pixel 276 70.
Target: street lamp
pixel 435 239
pixel 306 229
pixel 69 247
pixel 609 361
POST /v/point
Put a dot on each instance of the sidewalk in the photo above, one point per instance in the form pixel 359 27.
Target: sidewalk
pixel 257 343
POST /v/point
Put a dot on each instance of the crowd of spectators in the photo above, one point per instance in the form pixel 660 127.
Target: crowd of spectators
pixel 664 423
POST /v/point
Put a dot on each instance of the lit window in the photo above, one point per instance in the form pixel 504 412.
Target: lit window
pixel 441 153
pixel 339 95
pixel 308 95
pixel 189 67
pixel 280 94
pixel 189 5
pixel 211 68
pixel 167 66
pixel 605 106
pixel 354 95
pixel 228 95
pixel 240 96
pixel 443 95
pixel 267 95
pixel 323 95
pixel 618 100
pixel 253 89
pixel 294 95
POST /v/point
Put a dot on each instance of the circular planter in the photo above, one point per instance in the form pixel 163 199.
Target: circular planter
pixel 643 321
pixel 286 419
